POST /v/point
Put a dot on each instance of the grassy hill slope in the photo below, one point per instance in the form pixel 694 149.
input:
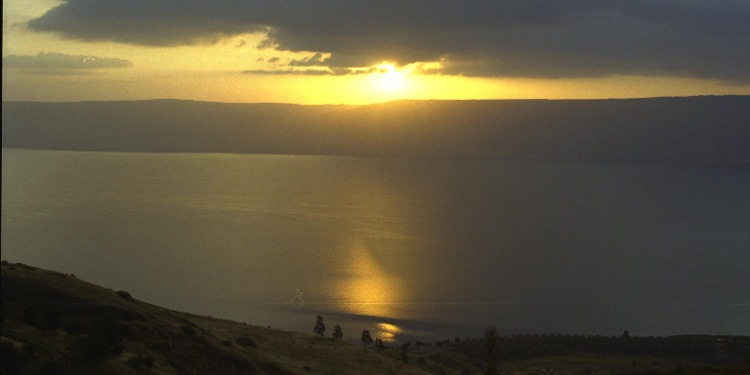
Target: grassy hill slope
pixel 58 323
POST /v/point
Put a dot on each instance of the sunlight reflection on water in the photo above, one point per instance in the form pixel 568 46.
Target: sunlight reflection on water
pixel 387 332
pixel 367 288
pixel 369 279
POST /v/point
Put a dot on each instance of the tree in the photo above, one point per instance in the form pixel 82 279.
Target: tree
pixel 320 328
pixel 379 346
pixel 366 338
pixel 405 352
pixel 337 334
pixel 490 342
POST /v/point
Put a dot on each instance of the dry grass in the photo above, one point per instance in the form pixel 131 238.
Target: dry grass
pixel 178 342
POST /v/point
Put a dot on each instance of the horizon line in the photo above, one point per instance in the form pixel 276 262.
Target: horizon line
pixel 380 102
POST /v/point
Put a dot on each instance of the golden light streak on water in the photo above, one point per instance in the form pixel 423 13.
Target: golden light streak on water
pixel 367 288
pixel 387 332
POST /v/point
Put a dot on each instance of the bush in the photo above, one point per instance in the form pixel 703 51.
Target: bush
pixel 190 331
pixel 29 316
pixel 103 337
pixel 246 342
pixel 140 361
pixel 51 318
pixel 226 343
pixel 123 294
pixel 49 367
pixel 9 356
pixel 74 327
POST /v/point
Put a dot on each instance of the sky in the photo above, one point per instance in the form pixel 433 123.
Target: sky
pixel 358 52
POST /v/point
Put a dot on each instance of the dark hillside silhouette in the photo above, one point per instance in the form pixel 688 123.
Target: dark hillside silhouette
pixel 100 331
pixel 691 130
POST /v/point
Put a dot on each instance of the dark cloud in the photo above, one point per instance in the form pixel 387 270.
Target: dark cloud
pixel 533 38
pixel 311 72
pixel 59 62
pixel 307 72
pixel 314 60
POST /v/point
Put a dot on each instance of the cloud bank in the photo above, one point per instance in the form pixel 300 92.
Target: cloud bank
pixel 488 38
pixel 56 62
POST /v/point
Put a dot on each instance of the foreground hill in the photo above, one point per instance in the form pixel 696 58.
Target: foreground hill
pixel 691 130
pixel 55 323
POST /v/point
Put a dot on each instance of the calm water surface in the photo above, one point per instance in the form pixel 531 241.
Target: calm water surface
pixel 408 248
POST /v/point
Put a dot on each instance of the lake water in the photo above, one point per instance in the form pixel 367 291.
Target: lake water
pixel 407 248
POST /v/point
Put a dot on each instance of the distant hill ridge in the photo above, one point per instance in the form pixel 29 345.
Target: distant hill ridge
pixel 706 130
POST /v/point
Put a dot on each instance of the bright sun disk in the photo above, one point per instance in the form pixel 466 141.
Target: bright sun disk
pixel 390 78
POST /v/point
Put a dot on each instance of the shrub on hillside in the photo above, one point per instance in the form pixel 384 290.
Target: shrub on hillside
pixel 103 337
pixel 29 316
pixel 51 318
pixel 246 341
pixel 124 295
pixel 9 357
pixel 190 331
pixel 140 361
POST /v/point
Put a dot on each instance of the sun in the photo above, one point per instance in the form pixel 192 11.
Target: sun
pixel 389 78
